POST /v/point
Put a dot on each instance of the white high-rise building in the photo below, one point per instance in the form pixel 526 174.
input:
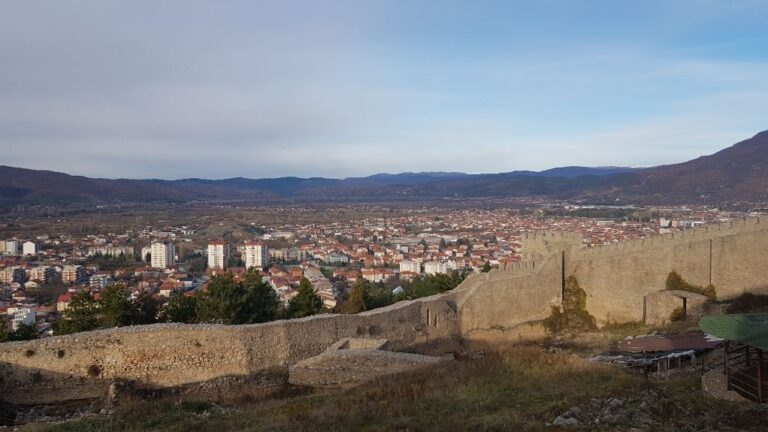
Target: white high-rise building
pixel 163 254
pixel 410 266
pixel 435 267
pixel 11 247
pixel 218 255
pixel 29 248
pixel 256 254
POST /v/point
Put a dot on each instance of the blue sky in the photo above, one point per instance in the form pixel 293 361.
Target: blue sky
pixel 216 89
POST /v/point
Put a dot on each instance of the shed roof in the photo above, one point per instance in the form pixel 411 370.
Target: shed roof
pixel 748 329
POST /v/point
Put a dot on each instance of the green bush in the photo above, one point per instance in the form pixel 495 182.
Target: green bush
pixel 748 302
pixel 677 315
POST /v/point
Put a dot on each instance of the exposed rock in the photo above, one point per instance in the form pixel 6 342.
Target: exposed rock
pixel 565 421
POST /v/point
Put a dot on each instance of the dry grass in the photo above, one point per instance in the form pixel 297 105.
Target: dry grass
pixel 515 388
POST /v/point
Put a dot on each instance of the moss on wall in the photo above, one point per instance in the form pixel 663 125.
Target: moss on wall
pixel 574 315
pixel 676 282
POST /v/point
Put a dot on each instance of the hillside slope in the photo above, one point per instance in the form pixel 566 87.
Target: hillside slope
pixel 737 173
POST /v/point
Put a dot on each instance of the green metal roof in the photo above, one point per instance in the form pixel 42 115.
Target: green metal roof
pixel 749 329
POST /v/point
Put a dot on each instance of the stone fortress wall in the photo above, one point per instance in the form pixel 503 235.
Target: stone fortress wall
pixel 505 303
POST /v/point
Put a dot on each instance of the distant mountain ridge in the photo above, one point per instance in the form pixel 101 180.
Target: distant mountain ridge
pixel 739 172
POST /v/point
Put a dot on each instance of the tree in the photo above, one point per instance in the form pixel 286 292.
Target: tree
pixel 486 267
pixel 181 309
pixel 430 285
pixel 145 309
pixel 262 301
pixel 375 295
pixel 81 315
pixel 4 334
pixel 229 302
pixel 222 302
pixel 356 301
pixel 24 332
pixel 442 245
pixel 306 302
pixel 115 307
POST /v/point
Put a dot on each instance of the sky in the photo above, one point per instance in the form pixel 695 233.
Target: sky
pixel 220 89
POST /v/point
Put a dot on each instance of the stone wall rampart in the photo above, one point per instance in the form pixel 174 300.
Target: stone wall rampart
pixel 615 277
pixel 81 366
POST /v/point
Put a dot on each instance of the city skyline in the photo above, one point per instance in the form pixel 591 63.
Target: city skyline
pixel 259 90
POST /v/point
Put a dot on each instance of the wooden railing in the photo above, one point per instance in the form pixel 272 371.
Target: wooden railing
pixel 746 369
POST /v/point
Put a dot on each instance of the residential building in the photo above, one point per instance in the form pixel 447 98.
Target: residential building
pixel 256 254
pixel 21 316
pixel 410 266
pixel 113 251
pixel 100 281
pixel 163 254
pixel 377 274
pixel 435 267
pixel 29 248
pixel 11 247
pixel 74 274
pixel 218 255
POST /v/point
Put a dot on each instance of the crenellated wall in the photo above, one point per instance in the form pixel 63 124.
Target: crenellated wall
pixel 506 301
pixel 618 277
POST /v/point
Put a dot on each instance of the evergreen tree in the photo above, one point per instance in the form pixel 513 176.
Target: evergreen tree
pixel 4 334
pixel 262 301
pixel 24 332
pixel 231 302
pixel 430 285
pixel 306 302
pixel 222 302
pixel 145 309
pixel 375 295
pixel 181 309
pixel 115 307
pixel 81 315
pixel 486 267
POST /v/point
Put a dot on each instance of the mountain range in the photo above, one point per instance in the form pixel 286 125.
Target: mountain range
pixel 737 173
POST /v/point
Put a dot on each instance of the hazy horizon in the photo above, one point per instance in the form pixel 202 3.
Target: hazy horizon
pixel 181 89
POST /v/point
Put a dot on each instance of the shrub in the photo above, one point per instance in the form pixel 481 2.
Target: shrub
pixel 677 315
pixel 748 302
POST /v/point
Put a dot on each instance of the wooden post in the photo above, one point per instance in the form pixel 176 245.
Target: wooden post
pixel 746 354
pixel 725 365
pixel 760 375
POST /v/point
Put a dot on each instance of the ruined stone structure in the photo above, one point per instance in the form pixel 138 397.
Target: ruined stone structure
pixel 619 281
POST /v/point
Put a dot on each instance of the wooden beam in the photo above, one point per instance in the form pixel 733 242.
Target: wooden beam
pixel 760 375
pixel 725 365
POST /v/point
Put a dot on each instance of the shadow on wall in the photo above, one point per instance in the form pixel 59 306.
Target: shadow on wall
pixel 81 366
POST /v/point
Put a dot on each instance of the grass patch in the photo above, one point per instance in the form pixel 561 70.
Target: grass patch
pixel 514 388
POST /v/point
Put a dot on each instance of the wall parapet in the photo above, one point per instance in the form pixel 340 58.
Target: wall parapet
pixel 671 239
